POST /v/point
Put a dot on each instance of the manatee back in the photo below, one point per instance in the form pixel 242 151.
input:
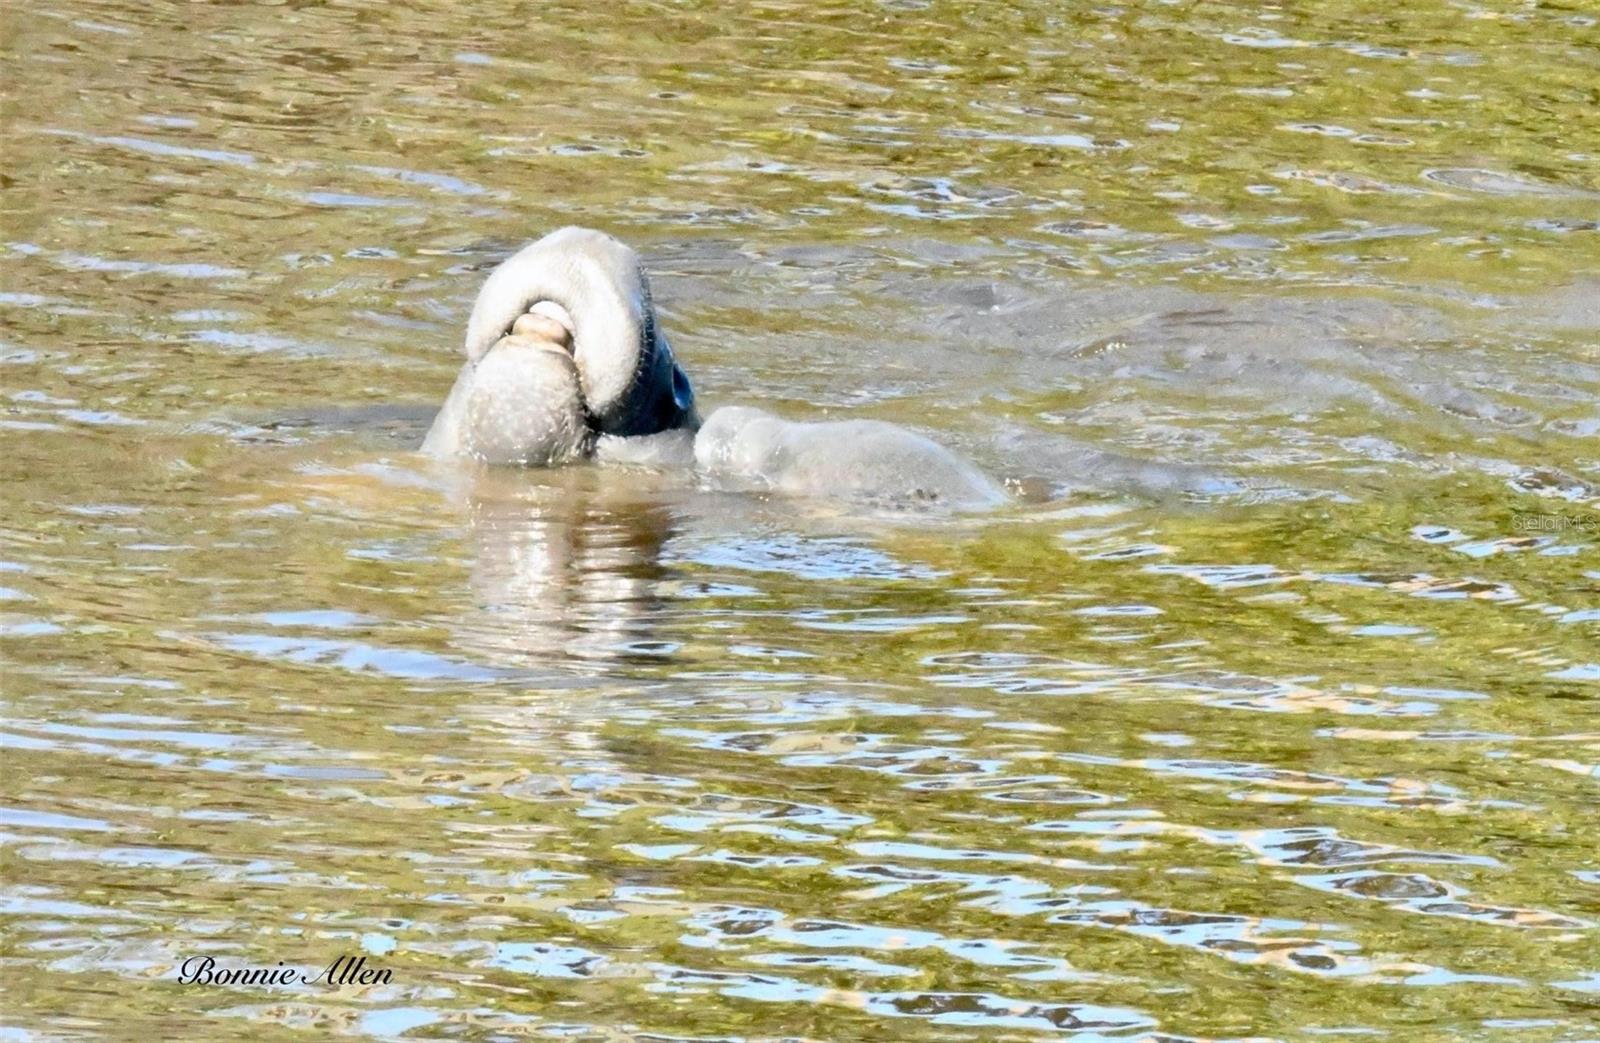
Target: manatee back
pixel 880 461
pixel 866 459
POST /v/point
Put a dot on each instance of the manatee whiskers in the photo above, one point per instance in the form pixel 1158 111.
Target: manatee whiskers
pixel 525 406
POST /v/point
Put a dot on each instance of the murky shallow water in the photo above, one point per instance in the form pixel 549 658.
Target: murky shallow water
pixel 1280 720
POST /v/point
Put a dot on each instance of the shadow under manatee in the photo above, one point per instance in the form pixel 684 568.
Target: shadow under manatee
pixel 567 567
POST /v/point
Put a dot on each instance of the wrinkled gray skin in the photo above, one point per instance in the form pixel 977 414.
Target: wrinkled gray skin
pixel 866 459
pixel 517 402
pixel 621 397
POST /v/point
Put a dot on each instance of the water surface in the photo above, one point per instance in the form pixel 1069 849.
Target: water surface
pixel 1280 717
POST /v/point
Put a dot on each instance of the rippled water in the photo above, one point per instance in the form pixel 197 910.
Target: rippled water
pixel 1277 716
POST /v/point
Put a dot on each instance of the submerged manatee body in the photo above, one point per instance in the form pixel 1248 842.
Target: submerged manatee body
pixel 517 401
pixel 866 459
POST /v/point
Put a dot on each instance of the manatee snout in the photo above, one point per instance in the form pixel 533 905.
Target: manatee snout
pixel 562 347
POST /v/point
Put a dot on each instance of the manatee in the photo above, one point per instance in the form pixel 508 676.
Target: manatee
pixel 864 459
pixel 562 350
pixel 565 362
